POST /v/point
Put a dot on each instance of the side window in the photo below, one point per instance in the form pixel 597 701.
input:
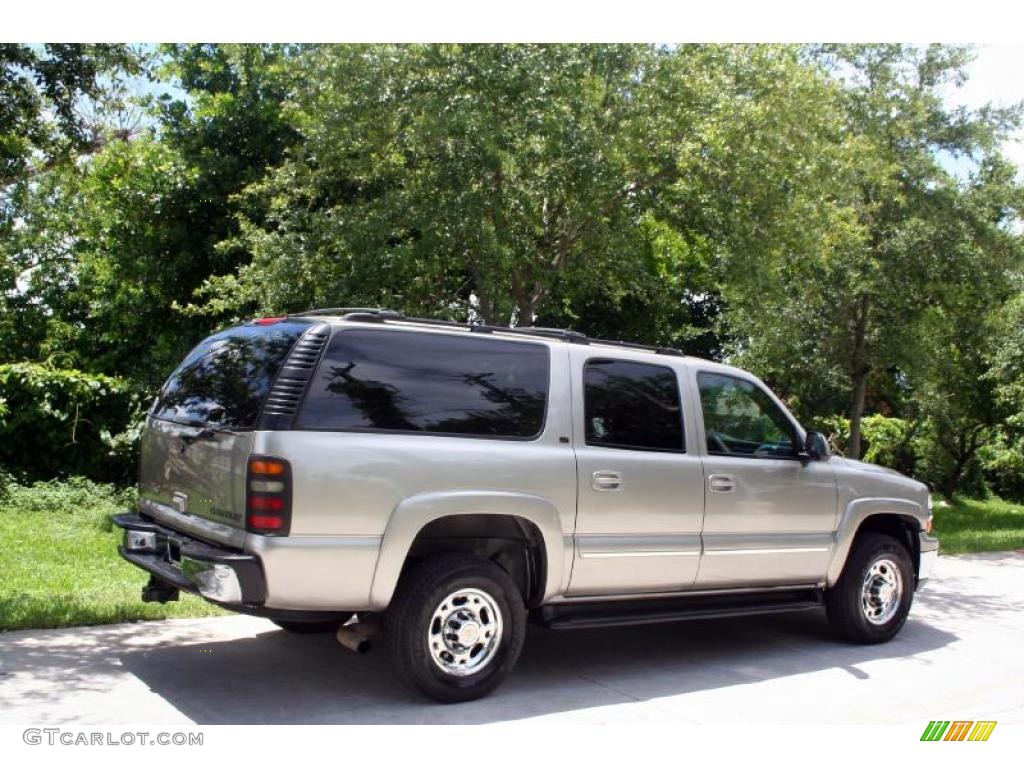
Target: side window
pixel 396 381
pixel 740 418
pixel 632 405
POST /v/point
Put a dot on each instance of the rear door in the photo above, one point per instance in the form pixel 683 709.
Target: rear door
pixel 199 432
pixel 640 490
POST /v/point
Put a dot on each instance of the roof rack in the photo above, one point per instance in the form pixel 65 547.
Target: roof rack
pixel 382 315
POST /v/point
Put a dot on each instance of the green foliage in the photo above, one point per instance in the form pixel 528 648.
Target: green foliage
pixel 891 442
pixel 852 323
pixel 40 90
pixel 58 557
pixel 511 183
pixel 1002 464
pixel 58 422
pixel 69 497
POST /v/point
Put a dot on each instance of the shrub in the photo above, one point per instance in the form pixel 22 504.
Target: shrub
pixel 61 422
pixel 1003 467
pixel 885 440
pixel 74 497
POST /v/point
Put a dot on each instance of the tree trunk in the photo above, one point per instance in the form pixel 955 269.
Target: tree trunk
pixel 860 372
pixel 525 307
pixel 860 382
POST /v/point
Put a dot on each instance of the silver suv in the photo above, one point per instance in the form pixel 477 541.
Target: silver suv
pixel 335 468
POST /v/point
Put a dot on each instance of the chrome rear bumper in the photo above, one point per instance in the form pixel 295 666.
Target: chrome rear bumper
pixel 221 575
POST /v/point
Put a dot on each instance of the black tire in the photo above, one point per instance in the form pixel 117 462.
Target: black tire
pixel 843 603
pixel 422 591
pixel 310 627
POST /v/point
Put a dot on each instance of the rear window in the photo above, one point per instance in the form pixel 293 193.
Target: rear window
pixel 421 382
pixel 225 379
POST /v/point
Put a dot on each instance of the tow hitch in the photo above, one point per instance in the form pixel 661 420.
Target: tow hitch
pixel 159 591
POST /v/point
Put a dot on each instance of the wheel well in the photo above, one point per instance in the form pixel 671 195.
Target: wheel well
pixel 513 543
pixel 904 529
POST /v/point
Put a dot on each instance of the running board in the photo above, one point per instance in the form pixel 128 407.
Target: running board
pixel 619 613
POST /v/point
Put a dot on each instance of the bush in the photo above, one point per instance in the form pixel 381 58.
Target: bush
pixel 75 497
pixel 885 440
pixel 891 443
pixel 61 422
pixel 1003 467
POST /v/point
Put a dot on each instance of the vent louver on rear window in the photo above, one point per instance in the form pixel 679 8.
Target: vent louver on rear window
pixel 286 394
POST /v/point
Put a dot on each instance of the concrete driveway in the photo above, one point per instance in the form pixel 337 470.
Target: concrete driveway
pixel 959 657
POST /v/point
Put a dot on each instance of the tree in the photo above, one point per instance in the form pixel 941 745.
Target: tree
pixel 109 247
pixel 903 241
pixel 40 90
pixel 511 183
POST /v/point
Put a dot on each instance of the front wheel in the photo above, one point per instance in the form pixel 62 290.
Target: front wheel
pixel 871 600
pixel 455 627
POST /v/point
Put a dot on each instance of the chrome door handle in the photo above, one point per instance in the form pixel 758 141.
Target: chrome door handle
pixel 607 480
pixel 721 483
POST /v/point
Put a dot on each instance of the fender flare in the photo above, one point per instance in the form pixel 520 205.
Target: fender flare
pixel 415 512
pixel 855 514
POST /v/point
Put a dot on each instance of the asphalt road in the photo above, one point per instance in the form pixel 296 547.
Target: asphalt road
pixel 959 657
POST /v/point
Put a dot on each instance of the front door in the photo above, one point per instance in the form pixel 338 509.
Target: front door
pixel 769 516
pixel 640 491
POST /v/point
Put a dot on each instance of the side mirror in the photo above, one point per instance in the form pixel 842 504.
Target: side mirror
pixel 816 446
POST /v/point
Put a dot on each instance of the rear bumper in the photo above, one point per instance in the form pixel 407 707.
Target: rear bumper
pixel 221 575
pixel 929 555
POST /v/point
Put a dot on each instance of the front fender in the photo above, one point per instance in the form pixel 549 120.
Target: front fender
pixel 855 514
pixel 412 514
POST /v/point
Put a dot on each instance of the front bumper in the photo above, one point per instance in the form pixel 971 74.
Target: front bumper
pixel 221 575
pixel 929 555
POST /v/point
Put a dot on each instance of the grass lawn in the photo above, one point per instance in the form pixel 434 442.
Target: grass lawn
pixel 59 564
pixel 979 525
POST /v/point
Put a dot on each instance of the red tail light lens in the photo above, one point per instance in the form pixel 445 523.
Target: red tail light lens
pixel 264 523
pixel 268 496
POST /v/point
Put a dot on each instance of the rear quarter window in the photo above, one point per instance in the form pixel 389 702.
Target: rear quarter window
pixel 223 382
pixel 395 381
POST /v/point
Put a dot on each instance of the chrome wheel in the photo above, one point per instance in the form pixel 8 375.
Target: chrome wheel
pixel 464 632
pixel 882 591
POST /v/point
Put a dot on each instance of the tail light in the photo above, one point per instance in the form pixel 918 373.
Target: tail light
pixel 268 496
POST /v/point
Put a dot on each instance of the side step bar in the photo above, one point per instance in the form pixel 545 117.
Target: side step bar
pixel 586 615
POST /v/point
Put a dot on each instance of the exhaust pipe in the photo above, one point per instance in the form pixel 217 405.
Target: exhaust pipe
pixel 356 636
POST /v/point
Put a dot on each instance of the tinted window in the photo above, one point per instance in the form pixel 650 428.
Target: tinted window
pixel 741 418
pixel 632 405
pixel 420 382
pixel 225 379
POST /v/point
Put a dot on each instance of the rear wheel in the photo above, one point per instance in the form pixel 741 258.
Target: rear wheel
pixel 871 600
pixel 310 627
pixel 455 627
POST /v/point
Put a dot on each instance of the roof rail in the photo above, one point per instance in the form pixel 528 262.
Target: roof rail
pixel 329 311
pixel 382 315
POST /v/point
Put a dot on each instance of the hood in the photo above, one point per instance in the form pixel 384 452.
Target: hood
pixel 863 466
